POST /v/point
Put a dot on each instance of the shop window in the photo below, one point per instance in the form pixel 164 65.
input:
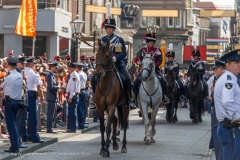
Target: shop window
pixel 40 46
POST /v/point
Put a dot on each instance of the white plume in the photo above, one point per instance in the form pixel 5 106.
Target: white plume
pixel 108 5
pixel 170 47
pixel 195 47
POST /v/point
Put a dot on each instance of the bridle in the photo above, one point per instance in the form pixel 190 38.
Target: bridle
pixel 149 70
pixel 106 66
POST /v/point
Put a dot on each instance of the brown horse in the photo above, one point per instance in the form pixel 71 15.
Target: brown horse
pixel 173 95
pixel 108 96
pixel 133 71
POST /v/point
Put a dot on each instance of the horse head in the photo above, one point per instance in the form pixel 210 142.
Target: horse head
pixel 194 74
pixel 103 58
pixel 148 66
pixel 170 77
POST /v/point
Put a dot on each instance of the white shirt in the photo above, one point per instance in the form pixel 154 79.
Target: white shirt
pixel 73 85
pixel 210 84
pixel 12 85
pixel 33 79
pixel 227 97
pixel 83 79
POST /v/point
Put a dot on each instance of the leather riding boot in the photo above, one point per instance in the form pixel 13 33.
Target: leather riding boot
pixel 164 89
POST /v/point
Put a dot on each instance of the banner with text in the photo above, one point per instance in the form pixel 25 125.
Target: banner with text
pixel 26 24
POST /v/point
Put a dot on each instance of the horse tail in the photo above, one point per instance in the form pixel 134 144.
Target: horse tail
pixel 122 122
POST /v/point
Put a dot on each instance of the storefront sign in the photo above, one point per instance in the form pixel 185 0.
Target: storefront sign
pixel 9 26
pixel 65 29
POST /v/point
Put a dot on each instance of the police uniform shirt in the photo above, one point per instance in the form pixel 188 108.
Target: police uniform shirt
pixel 227 97
pixel 33 79
pixel 210 84
pixel 174 65
pixel 12 85
pixel 73 85
pixel 83 79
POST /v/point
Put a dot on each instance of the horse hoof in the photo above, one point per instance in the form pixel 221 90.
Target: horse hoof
pixel 124 150
pixel 152 141
pixel 106 154
pixel 115 147
pixel 144 139
pixel 147 142
pixel 101 152
pixel 118 139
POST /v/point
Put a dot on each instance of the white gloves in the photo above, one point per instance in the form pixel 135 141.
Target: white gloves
pixel 114 59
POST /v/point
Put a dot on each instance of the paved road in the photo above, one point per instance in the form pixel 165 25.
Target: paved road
pixel 180 141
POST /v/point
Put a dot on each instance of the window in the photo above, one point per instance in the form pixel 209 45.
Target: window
pixel 170 22
pixel 40 46
pixel 184 18
pixel 147 21
pixel 130 24
pixel 158 22
pixel 144 22
pixel 63 4
pixel 189 16
pixel 178 20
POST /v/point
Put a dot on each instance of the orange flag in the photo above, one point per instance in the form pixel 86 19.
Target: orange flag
pixel 26 24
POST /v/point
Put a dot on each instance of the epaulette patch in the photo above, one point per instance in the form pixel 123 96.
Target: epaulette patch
pixel 228 85
pixel 229 77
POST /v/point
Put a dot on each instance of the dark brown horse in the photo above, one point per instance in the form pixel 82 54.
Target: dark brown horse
pixel 194 94
pixel 173 95
pixel 108 96
pixel 133 71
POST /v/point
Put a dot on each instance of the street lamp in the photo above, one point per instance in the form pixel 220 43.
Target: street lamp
pixel 76 26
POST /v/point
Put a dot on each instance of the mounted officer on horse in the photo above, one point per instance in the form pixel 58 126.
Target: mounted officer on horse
pixel 201 68
pixel 174 65
pixel 118 49
pixel 157 56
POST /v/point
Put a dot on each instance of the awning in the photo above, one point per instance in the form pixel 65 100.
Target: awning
pixel 216 40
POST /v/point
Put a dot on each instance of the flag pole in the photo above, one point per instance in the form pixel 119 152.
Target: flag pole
pixel 33 46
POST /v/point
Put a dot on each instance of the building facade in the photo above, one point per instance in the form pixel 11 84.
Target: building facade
pixel 53 28
pixel 172 30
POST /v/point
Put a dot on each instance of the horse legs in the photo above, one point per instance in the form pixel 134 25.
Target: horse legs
pixel 200 109
pixel 102 129
pixel 114 124
pixel 146 123
pixel 168 112
pixel 108 130
pixel 175 113
pixel 124 124
pixel 195 112
pixel 191 108
pixel 153 123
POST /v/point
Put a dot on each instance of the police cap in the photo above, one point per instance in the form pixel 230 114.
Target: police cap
pixel 71 65
pixel 79 64
pixel 32 59
pixel 53 64
pixel 12 61
pixel 218 63
pixel 231 56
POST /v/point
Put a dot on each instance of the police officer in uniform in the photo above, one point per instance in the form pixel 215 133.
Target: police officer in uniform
pixel 34 89
pixel 227 105
pixel 157 56
pixel 119 53
pixel 83 60
pixel 51 96
pixel 12 89
pixel 21 114
pixel 72 90
pixel 174 65
pixel 81 104
pixel 201 68
pixel 217 145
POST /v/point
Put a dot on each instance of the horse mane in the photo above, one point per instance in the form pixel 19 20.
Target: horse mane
pixel 103 48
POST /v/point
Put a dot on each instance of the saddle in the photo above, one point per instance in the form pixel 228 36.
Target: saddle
pixel 122 78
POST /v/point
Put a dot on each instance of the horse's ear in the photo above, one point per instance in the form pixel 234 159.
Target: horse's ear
pixel 99 42
pixel 143 53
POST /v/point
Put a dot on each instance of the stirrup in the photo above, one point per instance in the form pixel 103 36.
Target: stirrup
pixel 166 100
pixel 183 98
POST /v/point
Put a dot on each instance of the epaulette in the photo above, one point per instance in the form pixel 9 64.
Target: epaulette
pixel 229 77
